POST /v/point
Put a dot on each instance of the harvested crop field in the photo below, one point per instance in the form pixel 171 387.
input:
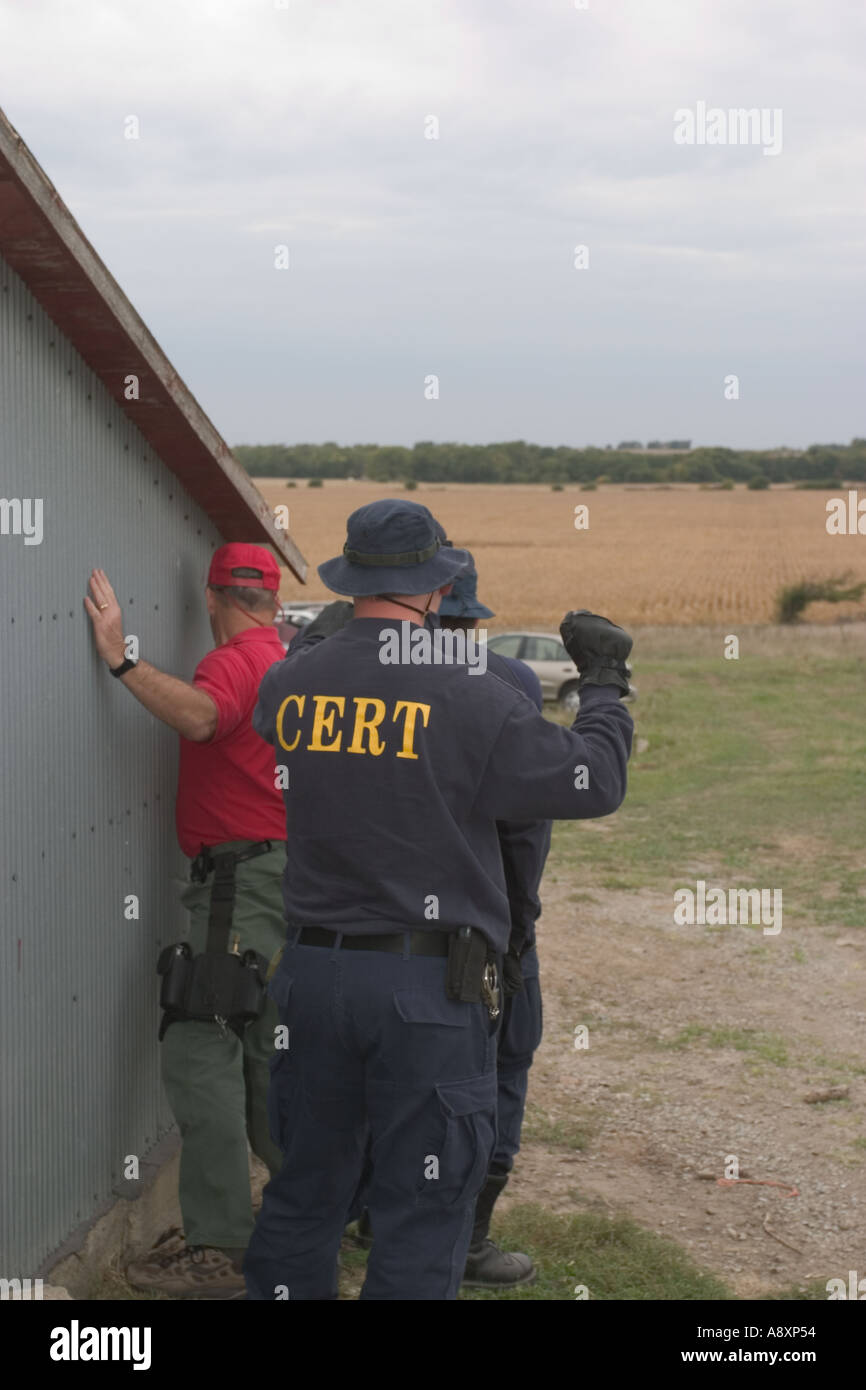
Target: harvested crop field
pixel 649 556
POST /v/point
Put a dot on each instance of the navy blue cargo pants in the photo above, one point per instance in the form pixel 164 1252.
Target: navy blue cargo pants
pixel 519 1037
pixel 377 1054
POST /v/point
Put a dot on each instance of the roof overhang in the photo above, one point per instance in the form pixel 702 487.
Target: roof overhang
pixel 43 243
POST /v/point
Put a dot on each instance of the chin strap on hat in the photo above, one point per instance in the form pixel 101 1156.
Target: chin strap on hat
pixel 386 598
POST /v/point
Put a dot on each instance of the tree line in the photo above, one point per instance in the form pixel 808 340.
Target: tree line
pixel 519 462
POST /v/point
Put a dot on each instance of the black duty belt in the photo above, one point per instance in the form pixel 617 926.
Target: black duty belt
pixel 421 943
pixel 205 861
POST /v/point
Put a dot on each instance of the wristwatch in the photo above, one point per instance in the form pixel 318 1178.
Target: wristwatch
pixel 122 669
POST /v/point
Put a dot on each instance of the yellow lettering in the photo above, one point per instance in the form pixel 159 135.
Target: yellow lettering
pixel 324 723
pixel 299 701
pixel 411 707
pixel 364 724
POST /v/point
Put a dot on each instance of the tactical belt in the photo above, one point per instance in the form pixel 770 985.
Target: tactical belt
pixel 421 943
pixel 218 986
pixel 472 973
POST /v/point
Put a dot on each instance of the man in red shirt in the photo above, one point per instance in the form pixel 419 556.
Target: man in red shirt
pixel 216 1077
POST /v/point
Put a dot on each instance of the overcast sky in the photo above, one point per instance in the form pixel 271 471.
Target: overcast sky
pixel 304 125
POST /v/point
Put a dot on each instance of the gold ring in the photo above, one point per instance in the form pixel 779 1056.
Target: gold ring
pixel 101 606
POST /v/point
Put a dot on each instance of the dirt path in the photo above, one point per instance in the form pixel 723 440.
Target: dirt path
pixel 703 1043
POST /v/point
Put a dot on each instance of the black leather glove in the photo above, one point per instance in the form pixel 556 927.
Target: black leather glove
pixel 598 649
pixel 512 975
pixel 330 620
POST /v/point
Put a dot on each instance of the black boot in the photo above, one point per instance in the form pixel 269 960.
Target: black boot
pixel 488 1267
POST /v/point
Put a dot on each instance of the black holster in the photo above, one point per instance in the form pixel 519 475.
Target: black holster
pixel 472 973
pixel 215 987
pixel 218 986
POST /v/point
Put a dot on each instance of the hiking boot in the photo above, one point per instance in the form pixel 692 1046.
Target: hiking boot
pixel 179 1270
pixel 488 1267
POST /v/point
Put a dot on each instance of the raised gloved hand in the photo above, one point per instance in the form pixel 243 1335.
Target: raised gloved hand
pixel 598 649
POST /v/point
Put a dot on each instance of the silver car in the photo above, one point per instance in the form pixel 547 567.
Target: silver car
pixel 301 611
pixel 548 659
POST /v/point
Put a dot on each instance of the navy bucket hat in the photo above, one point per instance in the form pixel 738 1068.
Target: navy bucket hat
pixel 463 601
pixel 393 547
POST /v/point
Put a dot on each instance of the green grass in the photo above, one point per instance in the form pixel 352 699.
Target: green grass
pixel 755 775
pixel 768 1046
pixel 612 1257
pixel 573 1132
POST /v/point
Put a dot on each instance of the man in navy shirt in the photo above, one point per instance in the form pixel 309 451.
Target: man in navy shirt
pixel 524 846
pixel 398 767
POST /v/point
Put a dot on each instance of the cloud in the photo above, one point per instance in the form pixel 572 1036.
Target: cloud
pixel 306 126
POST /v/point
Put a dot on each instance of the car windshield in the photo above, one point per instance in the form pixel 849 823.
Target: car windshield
pixel 506 645
pixel 544 649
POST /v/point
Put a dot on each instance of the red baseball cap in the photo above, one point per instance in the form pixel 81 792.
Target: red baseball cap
pixel 249 566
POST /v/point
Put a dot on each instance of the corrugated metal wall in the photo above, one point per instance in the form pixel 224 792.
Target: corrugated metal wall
pixel 87 780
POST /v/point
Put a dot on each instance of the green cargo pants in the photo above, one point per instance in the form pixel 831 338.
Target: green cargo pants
pixel 217 1086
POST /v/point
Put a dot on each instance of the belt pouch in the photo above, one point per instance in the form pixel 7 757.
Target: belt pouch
pixel 467 957
pixel 212 985
pixel 175 966
pixel 250 989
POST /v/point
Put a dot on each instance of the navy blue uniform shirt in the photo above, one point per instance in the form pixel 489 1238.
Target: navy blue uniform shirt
pixel 399 773
pixel 524 845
